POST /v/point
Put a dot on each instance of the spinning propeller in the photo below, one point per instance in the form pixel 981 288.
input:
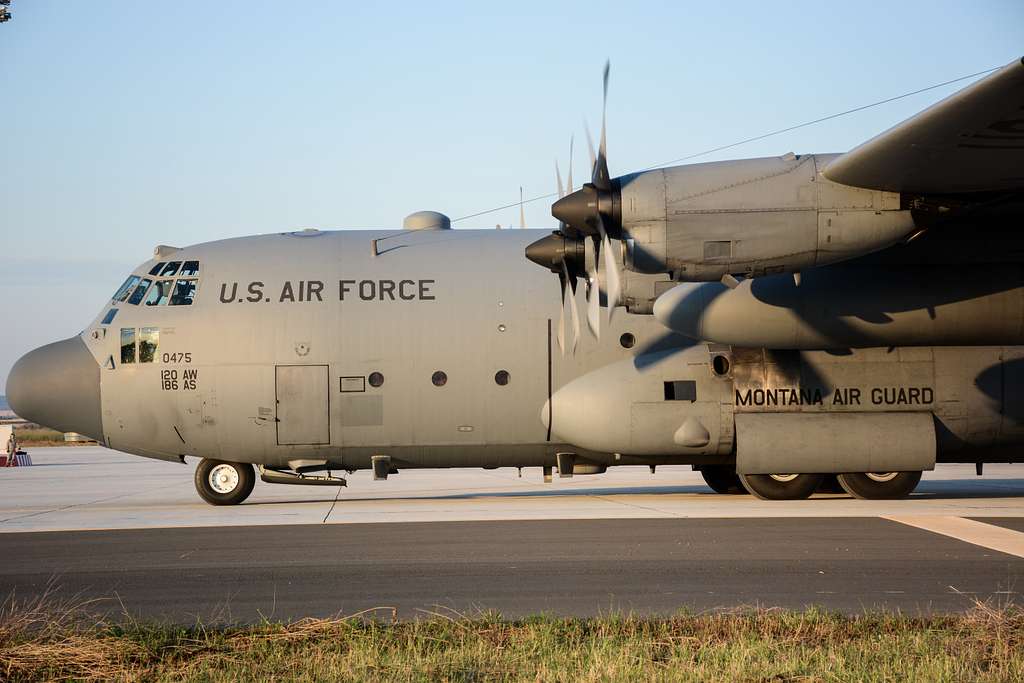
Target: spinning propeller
pixel 588 219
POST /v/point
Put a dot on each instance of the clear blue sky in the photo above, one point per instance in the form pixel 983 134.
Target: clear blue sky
pixel 128 124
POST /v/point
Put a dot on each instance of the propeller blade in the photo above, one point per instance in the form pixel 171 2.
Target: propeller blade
pixel 560 333
pixel 601 178
pixel 590 149
pixel 522 214
pixel 558 177
pixel 612 274
pixel 571 140
pixel 594 295
pixel 569 299
pixel 612 277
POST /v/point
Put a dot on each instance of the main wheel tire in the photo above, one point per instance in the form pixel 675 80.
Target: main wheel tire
pixel 722 479
pixel 224 483
pixel 879 485
pixel 781 486
pixel 830 484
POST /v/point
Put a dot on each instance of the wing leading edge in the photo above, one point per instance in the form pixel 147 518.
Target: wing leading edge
pixel 972 141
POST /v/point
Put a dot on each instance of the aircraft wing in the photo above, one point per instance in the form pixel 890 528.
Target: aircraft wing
pixel 971 141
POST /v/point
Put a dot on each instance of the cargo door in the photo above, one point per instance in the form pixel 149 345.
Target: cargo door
pixel 303 408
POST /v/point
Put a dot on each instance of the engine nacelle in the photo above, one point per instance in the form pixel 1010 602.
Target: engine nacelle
pixel 855 306
pixel 751 217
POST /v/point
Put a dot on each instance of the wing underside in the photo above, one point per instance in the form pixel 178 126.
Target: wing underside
pixel 972 141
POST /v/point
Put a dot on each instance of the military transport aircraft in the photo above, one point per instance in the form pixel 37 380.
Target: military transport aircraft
pixel 861 317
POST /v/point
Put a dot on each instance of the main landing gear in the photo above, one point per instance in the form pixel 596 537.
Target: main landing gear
pixel 781 486
pixel 224 483
pixel 867 485
pixel 879 485
pixel 722 478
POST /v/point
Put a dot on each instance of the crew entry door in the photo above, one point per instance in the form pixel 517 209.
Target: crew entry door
pixel 303 408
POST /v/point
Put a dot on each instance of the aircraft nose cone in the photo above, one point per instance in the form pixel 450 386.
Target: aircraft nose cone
pixel 58 386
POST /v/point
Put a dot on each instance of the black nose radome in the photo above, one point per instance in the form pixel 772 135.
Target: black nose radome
pixel 58 386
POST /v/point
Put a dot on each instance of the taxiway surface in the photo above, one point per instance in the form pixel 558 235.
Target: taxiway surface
pixel 133 533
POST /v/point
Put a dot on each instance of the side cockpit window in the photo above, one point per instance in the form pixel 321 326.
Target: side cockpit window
pixel 149 340
pixel 127 345
pixel 125 289
pixel 136 298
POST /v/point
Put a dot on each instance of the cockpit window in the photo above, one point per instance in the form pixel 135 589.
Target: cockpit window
pixel 170 269
pixel 149 340
pixel 155 270
pixel 189 269
pixel 159 293
pixel 184 293
pixel 127 345
pixel 136 298
pixel 122 293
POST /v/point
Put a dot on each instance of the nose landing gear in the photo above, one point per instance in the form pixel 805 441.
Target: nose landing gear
pixel 224 483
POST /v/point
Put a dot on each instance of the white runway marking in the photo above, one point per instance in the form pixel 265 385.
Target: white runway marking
pixel 977 533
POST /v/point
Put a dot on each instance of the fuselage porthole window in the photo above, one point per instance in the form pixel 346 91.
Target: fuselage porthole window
pixel 189 269
pixel 155 270
pixel 184 293
pixel 126 288
pixel 136 298
pixel 171 269
pixel 159 293
pixel 127 345
pixel 439 378
pixel 149 340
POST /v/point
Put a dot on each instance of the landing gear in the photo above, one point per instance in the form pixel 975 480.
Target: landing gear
pixel 722 479
pixel 224 483
pixel 879 485
pixel 830 484
pixel 781 486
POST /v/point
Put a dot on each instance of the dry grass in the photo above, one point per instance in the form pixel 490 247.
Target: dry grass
pixel 43 436
pixel 47 641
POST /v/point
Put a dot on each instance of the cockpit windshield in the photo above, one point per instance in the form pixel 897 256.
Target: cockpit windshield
pixel 162 287
pixel 159 293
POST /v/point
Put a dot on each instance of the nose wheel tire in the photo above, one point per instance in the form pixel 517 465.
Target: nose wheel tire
pixel 722 479
pixel 781 486
pixel 879 485
pixel 224 483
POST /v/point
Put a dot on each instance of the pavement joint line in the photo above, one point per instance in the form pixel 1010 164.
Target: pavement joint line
pixel 968 530
pixel 71 506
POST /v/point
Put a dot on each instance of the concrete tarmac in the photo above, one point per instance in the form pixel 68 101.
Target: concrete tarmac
pixel 133 533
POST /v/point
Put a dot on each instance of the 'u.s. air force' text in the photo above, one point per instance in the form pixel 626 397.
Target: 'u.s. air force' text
pixel 313 291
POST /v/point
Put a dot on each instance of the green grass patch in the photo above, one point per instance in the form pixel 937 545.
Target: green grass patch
pixel 751 645
pixel 38 435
